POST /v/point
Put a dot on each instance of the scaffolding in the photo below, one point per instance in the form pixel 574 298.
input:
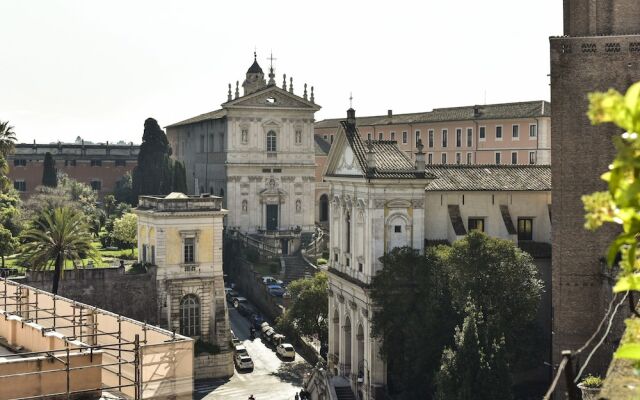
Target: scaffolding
pixel 80 333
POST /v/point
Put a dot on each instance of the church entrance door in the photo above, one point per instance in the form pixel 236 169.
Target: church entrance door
pixel 272 217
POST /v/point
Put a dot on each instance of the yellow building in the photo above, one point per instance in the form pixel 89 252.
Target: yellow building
pixel 182 236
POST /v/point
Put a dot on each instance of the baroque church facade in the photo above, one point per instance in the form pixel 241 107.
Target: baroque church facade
pixel 257 152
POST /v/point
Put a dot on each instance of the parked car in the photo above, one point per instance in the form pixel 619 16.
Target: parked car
pixel 231 294
pixel 285 350
pixel 234 340
pixel 277 339
pixel 270 280
pixel 256 320
pixel 239 300
pixel 243 361
pixel 275 290
pixel 240 349
pixel 267 333
pixel 246 309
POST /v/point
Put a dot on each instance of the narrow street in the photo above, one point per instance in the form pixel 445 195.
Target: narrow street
pixel 271 378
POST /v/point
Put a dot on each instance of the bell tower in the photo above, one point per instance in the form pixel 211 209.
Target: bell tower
pixel 255 77
pixel 600 50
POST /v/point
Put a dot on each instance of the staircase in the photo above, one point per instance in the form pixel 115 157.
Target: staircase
pixel 344 393
pixel 296 268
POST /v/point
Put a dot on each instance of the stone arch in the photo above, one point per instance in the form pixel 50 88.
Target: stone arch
pixel 323 205
pixel 190 315
pixel 347 345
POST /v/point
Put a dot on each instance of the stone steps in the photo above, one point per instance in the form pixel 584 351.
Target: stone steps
pixel 296 268
pixel 344 393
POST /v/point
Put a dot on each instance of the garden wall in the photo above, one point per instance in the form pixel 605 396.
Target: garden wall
pixel 130 295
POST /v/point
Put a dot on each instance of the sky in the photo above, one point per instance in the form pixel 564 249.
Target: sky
pixel 98 69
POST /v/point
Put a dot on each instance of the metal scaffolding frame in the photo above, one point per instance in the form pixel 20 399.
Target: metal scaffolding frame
pixel 82 331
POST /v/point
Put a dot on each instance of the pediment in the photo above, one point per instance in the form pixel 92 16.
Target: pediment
pixel 272 97
pixel 347 163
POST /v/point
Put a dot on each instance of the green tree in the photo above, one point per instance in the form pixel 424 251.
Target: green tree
pixel 125 229
pixel 413 319
pixel 10 211
pixel 49 172
pixel 475 367
pixel 309 305
pixel 7 138
pixel 123 191
pixel 8 243
pixel 503 283
pixel 61 234
pixel 153 174
pixel 179 177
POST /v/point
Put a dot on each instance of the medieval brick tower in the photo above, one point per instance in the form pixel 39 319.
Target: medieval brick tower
pixel 600 50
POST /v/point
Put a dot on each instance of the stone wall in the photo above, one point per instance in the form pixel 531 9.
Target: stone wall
pixel 130 295
pixel 210 366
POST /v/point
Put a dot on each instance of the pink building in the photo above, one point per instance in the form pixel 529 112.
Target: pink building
pixel 509 133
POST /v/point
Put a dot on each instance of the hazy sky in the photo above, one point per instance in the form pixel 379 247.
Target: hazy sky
pixel 99 69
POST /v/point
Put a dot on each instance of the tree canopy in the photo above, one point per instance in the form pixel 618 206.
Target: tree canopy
pixel 153 173
pixel 179 177
pixel 125 229
pixel 49 172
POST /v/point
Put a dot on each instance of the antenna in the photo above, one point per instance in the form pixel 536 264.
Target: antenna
pixel 350 100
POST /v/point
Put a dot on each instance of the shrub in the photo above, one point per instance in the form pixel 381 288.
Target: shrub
pixel 252 255
pixel 591 381
pixel 325 255
pixel 321 261
pixel 274 267
pixel 137 268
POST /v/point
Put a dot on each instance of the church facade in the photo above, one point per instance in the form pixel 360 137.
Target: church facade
pixel 257 152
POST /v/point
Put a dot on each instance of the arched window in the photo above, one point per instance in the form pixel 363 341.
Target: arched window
pixel 348 235
pixel 190 316
pixel 271 141
pixel 324 208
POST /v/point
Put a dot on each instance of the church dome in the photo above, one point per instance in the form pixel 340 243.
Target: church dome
pixel 255 68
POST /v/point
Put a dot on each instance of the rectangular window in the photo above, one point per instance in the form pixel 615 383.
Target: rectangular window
pixel 397 228
pixel 20 186
pixel 72 163
pixel 96 163
pixel 430 158
pixel 469 159
pixel 431 138
pixel 533 131
pixel 201 143
pixel 498 155
pixel 458 137
pixel 525 228
pixel 189 248
pixel 20 162
pixel 532 157
pixel 469 137
pixel 369 136
pixel 121 163
pixel 498 133
pixel 476 224
pixel 331 139
pixel 266 170
pixel 444 158
pixel 393 136
pixel 482 133
pixel 271 141
pixel 417 137
pixel 380 136
pixel 458 158
pixel 277 170
pixel 405 137
pixel 515 132
pixel 335 257
pixel 325 137
pixel 514 157
pixel 211 147
pixel 96 185
pixel 360 267
pixel 445 137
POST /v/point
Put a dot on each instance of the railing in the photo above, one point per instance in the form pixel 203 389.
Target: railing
pixel 255 243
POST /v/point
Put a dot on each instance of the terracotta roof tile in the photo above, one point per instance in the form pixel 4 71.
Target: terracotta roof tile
pixel 489 177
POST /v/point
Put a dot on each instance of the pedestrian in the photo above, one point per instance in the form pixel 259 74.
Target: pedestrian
pixel 252 398
pixel 297 397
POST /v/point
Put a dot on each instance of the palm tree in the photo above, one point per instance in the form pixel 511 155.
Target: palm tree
pixel 7 138
pixel 59 234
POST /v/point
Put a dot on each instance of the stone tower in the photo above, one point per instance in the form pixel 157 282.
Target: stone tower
pixel 600 50
pixel 255 77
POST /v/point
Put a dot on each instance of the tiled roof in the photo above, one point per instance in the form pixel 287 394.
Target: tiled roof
pixel 489 177
pixel 202 117
pixel 322 147
pixel 391 162
pixel 527 109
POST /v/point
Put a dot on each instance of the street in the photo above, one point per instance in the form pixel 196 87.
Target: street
pixel 271 378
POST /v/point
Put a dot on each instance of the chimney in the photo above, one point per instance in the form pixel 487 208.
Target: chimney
pixel 351 116
pixel 420 163
pixel 476 111
pixel 371 155
pixel 389 113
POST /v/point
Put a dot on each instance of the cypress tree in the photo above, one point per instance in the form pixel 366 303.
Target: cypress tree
pixel 153 173
pixel 49 173
pixel 179 177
